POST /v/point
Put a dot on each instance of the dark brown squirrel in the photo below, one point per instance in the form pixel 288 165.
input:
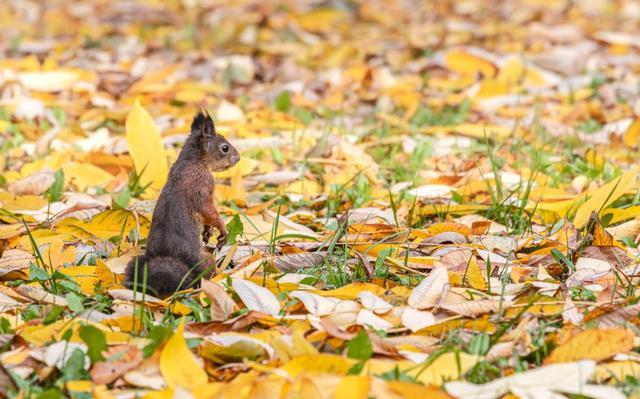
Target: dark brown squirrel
pixel 184 213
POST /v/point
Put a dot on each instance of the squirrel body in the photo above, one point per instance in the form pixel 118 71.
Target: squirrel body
pixel 184 215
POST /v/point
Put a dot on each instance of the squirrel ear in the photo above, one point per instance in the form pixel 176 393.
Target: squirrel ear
pixel 202 124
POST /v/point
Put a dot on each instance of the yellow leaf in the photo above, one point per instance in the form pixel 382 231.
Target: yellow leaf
pixel 322 363
pixel 436 209
pixel 474 275
pixel 351 291
pixel 447 367
pixel 178 365
pixel 166 393
pixel 375 249
pixel 235 192
pixel 85 175
pixel 180 309
pixel 244 167
pixel 126 323
pixel 56 257
pixel 491 88
pixel 39 335
pixel 514 71
pixel 596 344
pixel 618 215
pixel 85 276
pixel 105 275
pixel 616 371
pixel 100 392
pixel 79 385
pixel 632 135
pixel 353 386
pixel 190 95
pixel 108 224
pixel 306 187
pixel 146 149
pixel 468 64
pixel 321 20
pixel 480 324
pixel 410 390
pixel 605 196
pixel 207 391
pixel 540 305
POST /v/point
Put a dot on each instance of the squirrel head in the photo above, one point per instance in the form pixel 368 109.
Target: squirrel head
pixel 214 149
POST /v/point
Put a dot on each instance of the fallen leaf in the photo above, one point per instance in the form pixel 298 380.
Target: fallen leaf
pixel 596 344
pixel 428 293
pixel 605 196
pixel 146 149
pixel 178 365
pixel 221 303
pixel 256 297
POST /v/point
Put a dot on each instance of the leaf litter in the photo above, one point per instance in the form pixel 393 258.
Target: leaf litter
pixel 435 200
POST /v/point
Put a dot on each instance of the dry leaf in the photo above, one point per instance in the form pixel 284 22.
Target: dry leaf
pixel 221 303
pixel 593 344
pixel 146 149
pixel 428 293
pixel 178 365
pixel 256 297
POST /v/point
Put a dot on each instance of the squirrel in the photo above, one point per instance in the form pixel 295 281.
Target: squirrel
pixel 184 213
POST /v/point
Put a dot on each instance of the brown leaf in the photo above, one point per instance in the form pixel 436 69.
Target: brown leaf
pixel 294 262
pixel 39 295
pixel 618 317
pixel 221 303
pixel 616 256
pixel 14 259
pixel 118 360
pixel 34 184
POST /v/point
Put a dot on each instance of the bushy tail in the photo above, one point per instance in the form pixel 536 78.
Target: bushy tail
pixel 164 275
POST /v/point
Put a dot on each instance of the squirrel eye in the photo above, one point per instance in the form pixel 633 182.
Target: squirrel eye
pixel 224 148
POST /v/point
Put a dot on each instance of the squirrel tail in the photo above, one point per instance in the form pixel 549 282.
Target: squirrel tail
pixel 165 275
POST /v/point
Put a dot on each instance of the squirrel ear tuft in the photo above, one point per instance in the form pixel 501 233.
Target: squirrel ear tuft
pixel 202 123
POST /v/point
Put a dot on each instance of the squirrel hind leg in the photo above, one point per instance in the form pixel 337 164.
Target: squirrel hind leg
pixel 130 271
pixel 164 276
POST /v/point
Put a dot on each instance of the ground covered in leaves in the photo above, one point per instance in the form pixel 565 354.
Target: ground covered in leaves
pixel 434 200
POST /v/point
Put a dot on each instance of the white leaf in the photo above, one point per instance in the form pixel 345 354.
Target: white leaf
pixel 58 354
pixel 416 320
pixel 345 314
pixel 374 303
pixel 367 318
pixel 431 191
pixel 228 112
pixel 570 313
pixel 562 377
pixel 596 265
pixel 316 304
pixel 427 294
pixel 587 269
pixel 256 297
pixel 221 303
pixel 475 308
pixel 48 81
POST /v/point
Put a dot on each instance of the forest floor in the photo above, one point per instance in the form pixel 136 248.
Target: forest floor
pixel 433 201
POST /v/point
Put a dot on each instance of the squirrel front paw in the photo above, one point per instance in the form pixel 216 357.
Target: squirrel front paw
pixel 222 238
pixel 206 233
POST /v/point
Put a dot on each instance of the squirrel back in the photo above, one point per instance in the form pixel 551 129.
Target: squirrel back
pixel 173 254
